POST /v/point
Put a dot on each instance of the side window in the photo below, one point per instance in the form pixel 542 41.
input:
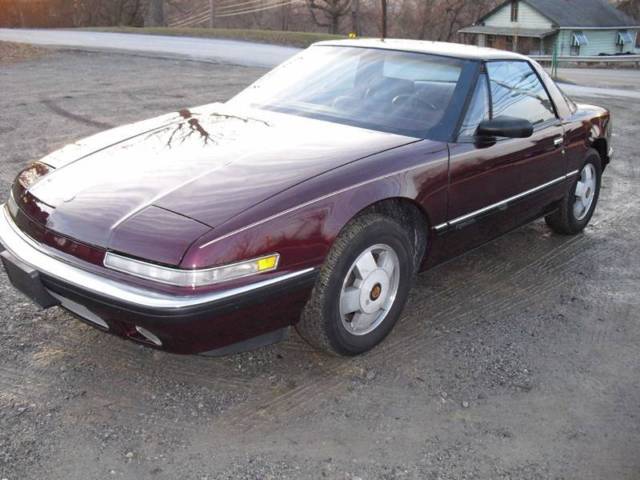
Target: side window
pixel 477 112
pixel 516 91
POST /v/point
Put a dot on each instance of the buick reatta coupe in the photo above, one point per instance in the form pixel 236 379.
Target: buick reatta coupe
pixel 311 199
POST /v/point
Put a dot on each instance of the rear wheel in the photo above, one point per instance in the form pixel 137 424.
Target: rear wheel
pixel 362 287
pixel 577 208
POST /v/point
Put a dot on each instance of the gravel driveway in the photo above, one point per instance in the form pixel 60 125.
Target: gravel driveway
pixel 519 360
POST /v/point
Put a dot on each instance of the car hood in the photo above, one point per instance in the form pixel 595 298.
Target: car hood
pixel 206 165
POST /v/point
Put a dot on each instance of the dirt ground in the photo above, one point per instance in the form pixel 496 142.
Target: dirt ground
pixel 16 52
pixel 520 360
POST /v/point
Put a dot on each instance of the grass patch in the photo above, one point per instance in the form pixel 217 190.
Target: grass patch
pixel 277 37
pixel 18 52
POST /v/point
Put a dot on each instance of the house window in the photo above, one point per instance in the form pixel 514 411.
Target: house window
pixel 579 39
pixel 624 37
pixel 514 10
pixel 491 41
pixel 624 41
pixel 621 40
pixel 509 44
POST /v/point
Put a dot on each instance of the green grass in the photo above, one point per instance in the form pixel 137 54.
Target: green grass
pixel 294 39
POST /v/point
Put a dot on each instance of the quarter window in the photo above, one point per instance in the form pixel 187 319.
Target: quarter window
pixel 516 91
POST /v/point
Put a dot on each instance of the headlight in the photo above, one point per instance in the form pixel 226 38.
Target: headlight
pixel 191 278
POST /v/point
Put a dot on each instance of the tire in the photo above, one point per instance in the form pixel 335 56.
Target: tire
pixel 573 215
pixel 341 286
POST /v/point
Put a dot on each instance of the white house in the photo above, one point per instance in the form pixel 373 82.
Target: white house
pixel 574 27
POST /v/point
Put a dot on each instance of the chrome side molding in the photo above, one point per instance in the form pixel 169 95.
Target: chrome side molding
pixel 503 203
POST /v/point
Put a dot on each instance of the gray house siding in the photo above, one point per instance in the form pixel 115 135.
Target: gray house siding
pixel 600 42
pixel 527 18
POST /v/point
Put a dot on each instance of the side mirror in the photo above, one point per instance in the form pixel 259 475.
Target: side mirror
pixel 508 127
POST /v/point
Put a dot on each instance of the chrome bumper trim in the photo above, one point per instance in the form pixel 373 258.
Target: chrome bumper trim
pixel 28 252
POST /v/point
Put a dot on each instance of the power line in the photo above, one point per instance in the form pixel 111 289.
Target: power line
pixel 236 5
pixel 252 10
pixel 257 9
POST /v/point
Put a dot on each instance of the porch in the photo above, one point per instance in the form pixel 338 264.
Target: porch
pixel 527 41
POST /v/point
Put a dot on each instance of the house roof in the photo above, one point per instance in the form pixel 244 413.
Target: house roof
pixel 583 13
pixel 577 13
pixel 509 31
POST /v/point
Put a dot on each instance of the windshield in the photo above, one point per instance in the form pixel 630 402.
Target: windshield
pixel 391 91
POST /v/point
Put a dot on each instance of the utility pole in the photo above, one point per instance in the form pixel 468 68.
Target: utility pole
pixel 355 21
pixel 383 26
pixel 212 12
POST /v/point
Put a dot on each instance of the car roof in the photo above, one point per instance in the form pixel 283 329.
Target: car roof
pixel 455 50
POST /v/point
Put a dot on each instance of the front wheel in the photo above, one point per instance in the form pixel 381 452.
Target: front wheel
pixel 577 208
pixel 362 288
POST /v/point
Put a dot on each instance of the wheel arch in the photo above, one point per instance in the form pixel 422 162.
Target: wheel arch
pixel 410 213
pixel 601 145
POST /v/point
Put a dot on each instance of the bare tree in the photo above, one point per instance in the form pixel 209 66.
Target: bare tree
pixel 630 7
pixel 452 19
pixel 427 19
pixel 155 14
pixel 285 13
pixel 330 11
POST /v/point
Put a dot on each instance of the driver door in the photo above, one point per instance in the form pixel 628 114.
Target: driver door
pixel 495 187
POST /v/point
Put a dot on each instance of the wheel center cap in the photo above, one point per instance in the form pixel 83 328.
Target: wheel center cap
pixel 375 292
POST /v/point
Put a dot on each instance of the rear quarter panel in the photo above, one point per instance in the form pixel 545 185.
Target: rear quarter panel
pixel 583 127
pixel 589 127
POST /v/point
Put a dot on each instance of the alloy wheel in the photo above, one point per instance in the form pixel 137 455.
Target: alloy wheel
pixel 585 192
pixel 369 289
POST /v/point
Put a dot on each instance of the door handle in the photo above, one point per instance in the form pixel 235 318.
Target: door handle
pixel 559 141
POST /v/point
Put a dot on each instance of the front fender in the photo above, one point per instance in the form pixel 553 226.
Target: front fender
pixel 302 223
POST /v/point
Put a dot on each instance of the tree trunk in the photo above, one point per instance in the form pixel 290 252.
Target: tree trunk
pixel 335 21
pixel 20 12
pixel 383 20
pixel 155 14
pixel 119 12
pixel 355 17
pixel 285 17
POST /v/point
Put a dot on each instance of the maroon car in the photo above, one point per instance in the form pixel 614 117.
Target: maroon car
pixel 311 199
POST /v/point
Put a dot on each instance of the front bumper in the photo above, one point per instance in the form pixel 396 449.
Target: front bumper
pixel 182 323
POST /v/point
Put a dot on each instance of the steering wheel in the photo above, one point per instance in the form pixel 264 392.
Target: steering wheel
pixel 398 100
pixel 343 101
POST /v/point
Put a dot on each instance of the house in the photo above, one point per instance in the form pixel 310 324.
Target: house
pixel 573 27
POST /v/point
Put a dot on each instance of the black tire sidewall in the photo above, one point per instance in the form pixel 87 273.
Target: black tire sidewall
pixel 387 232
